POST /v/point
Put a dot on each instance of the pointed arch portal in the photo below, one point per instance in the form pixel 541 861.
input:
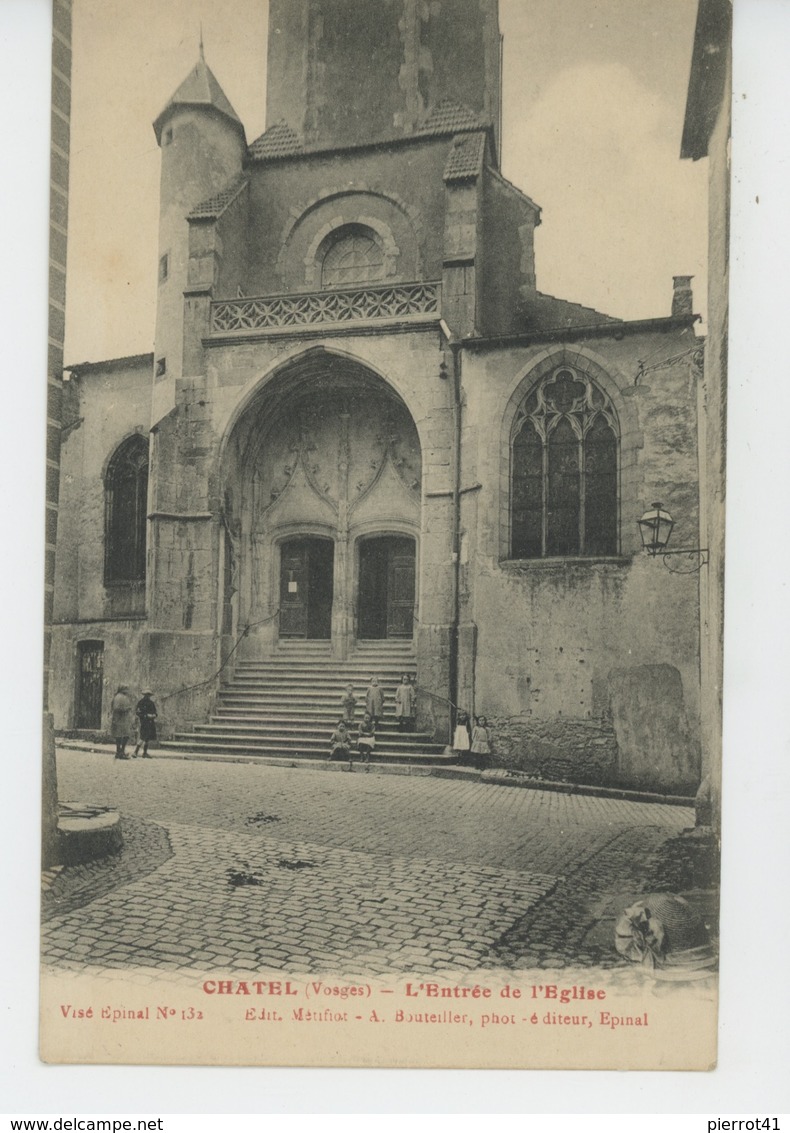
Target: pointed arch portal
pixel 322 480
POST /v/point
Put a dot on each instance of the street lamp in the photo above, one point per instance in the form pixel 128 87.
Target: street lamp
pixel 655 528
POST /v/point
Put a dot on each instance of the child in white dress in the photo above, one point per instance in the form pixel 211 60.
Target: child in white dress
pixel 461 741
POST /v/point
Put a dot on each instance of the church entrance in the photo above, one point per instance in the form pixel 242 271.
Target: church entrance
pixel 385 605
pixel 306 588
pixel 321 510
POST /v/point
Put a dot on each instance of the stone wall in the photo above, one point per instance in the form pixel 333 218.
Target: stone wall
pixel 345 71
pixel 562 749
pixel 296 202
pixel 613 639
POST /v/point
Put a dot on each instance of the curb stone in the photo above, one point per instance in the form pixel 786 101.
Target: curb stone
pixel 497 777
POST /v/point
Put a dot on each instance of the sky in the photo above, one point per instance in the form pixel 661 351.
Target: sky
pixel 594 98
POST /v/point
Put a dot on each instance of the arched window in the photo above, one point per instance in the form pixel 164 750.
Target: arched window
pixel 564 470
pixel 126 493
pixel 354 256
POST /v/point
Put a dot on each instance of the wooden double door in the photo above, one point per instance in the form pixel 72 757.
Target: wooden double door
pixel 385 588
pixel 307 588
pixel 385 599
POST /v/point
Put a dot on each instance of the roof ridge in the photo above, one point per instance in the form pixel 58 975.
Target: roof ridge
pixel 580 308
pixel 213 207
pixel 278 140
pixel 448 115
pixel 465 159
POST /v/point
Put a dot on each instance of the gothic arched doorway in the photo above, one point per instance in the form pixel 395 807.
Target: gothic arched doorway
pixel 322 488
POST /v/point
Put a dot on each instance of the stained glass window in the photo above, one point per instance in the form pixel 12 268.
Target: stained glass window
pixel 564 471
pixel 126 495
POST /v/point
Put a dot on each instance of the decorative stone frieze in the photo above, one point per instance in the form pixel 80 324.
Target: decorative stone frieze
pixel 325 307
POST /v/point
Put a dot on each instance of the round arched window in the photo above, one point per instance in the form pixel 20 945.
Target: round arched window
pixel 354 255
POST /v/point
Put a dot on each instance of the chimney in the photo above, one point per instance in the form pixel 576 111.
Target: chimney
pixel 682 296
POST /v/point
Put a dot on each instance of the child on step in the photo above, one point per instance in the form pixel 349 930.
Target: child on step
pixel 348 702
pixel 367 738
pixel 340 742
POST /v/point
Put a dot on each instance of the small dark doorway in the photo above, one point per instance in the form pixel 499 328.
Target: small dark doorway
pixel 90 679
pixel 386 587
pixel 306 569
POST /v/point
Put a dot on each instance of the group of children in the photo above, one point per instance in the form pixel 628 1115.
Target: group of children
pixel 341 741
pixel 472 740
pixel 468 740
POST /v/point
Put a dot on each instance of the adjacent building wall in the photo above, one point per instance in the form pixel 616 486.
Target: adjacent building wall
pixel 105 404
pixel 586 669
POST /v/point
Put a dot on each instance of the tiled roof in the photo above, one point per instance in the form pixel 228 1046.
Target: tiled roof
pixel 465 159
pixel 278 141
pixel 216 205
pixel 545 312
pixel 449 117
pixel 199 88
pixel 129 361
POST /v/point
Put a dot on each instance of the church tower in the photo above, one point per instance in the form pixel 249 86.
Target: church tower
pixel 341 72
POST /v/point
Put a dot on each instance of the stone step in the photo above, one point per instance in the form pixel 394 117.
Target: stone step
pixel 320 734
pixel 296 646
pixel 391 672
pixel 289 704
pixel 194 742
pixel 302 692
pixel 328 678
pixel 319 717
pixel 293 692
pixel 302 689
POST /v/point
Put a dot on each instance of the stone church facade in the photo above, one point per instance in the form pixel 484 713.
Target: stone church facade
pixel 365 435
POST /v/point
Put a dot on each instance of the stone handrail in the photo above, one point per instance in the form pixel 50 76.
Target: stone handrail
pixel 360 304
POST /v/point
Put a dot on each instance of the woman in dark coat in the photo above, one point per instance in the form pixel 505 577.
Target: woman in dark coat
pixel 146 714
pixel 121 720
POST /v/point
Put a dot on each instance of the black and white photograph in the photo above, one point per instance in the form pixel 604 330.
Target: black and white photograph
pixel 385 533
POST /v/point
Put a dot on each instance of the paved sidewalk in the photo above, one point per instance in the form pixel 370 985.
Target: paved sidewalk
pixel 250 867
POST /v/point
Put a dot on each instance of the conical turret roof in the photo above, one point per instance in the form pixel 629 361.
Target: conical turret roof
pixel 199 89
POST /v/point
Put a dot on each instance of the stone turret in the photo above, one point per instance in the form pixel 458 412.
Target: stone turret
pixel 203 146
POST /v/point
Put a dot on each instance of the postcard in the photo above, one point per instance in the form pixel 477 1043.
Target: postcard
pixel 385 533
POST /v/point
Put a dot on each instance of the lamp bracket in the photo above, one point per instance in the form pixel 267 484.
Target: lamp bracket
pixel 697 558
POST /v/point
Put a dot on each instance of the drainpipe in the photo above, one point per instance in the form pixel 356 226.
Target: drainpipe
pixel 455 349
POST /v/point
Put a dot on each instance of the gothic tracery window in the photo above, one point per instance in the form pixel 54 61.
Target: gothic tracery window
pixel 126 493
pixel 564 470
pixel 354 256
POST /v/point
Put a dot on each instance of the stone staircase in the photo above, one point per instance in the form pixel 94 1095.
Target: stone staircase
pixel 287 705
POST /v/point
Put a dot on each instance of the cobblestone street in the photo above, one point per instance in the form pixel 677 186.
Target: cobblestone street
pixel 248 867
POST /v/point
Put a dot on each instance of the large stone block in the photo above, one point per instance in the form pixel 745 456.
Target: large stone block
pixel 649 718
pixel 564 749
